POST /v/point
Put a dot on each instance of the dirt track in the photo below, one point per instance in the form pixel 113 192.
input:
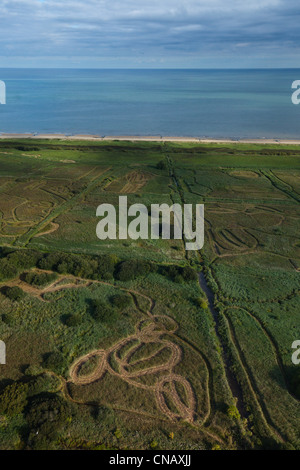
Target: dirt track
pixel 149 334
pixel 54 227
pixel 135 181
pixel 150 330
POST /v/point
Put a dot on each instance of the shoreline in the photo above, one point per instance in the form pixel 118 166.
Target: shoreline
pixel 155 138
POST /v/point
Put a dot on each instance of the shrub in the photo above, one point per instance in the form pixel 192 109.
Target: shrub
pixel 162 165
pixel 42 383
pixel 13 293
pixel 73 320
pixel 14 261
pixel 33 370
pixel 46 415
pixel 24 259
pixel 179 274
pixel 54 361
pixel 188 273
pixel 7 270
pixel 25 148
pixel 216 447
pixel 132 269
pixel 49 261
pixel 121 301
pixel 13 399
pixel 7 319
pixel 103 312
pixel 202 303
pixel 6 250
pixel 154 444
pixel 99 267
pixel 233 412
pixel 106 265
pixel 41 279
pixel 118 434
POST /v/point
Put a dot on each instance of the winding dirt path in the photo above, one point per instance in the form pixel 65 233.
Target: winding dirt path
pixel 54 227
pixel 149 334
pixel 151 329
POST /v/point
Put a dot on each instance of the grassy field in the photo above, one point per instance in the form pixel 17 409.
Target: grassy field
pixel 115 344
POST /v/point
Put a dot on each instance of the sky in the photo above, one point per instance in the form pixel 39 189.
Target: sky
pixel 150 33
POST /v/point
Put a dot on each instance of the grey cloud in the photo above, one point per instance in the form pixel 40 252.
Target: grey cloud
pixel 150 28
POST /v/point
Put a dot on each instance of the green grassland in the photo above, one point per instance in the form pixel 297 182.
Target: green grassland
pixel 102 354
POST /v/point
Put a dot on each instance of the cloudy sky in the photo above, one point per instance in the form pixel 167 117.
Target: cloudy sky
pixel 150 33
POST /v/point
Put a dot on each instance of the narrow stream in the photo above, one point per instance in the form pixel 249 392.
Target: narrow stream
pixel 235 387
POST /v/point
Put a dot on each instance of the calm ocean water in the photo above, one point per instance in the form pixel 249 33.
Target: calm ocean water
pixel 202 103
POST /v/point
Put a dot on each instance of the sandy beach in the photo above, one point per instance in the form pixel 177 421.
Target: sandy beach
pixel 155 138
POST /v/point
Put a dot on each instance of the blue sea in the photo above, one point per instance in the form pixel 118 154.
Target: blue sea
pixel 200 103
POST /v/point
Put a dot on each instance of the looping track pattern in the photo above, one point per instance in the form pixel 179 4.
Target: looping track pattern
pixel 172 403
